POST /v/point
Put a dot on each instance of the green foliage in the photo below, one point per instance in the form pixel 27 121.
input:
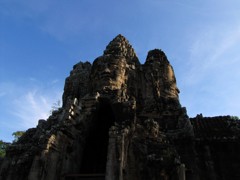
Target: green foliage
pixel 17 135
pixel 235 117
pixel 3 147
pixel 55 106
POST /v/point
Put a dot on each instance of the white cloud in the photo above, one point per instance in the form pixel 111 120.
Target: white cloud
pixel 54 81
pixel 211 81
pixel 210 51
pixel 23 103
pixel 32 106
pixel 61 20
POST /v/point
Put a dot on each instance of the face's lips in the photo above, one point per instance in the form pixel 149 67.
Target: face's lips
pixel 105 74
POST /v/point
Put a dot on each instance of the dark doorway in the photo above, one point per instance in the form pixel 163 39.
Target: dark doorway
pixel 95 151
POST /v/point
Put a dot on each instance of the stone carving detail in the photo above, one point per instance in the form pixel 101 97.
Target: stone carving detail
pixel 77 84
pixel 122 120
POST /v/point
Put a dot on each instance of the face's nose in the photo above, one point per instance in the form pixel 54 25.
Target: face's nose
pixel 107 70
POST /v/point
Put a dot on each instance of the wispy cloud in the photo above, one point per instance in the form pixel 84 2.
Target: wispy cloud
pixel 211 80
pixel 211 51
pixel 54 81
pixel 62 20
pixel 31 107
pixel 22 106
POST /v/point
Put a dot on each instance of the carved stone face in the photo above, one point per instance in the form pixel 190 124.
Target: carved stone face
pixel 161 74
pixel 171 80
pixel 108 73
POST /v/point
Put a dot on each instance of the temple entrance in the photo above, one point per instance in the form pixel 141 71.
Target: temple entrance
pixel 95 151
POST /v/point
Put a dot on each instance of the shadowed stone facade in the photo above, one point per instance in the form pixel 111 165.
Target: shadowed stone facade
pixel 122 120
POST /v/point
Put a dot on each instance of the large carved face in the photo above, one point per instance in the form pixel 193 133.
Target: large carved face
pixel 108 73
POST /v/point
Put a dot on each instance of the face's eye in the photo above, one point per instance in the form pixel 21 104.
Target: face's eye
pixel 115 66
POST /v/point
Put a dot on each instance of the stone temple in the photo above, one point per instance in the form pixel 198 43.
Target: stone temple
pixel 122 120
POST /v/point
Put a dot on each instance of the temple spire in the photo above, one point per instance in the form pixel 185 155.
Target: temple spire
pixel 120 46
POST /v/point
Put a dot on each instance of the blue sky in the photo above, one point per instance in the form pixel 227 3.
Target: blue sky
pixel 40 41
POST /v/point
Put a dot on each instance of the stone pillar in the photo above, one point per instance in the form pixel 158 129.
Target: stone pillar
pixel 112 159
pixel 181 172
pixel 209 163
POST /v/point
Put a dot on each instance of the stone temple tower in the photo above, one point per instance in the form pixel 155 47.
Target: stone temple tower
pixel 120 120
pixel 117 119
